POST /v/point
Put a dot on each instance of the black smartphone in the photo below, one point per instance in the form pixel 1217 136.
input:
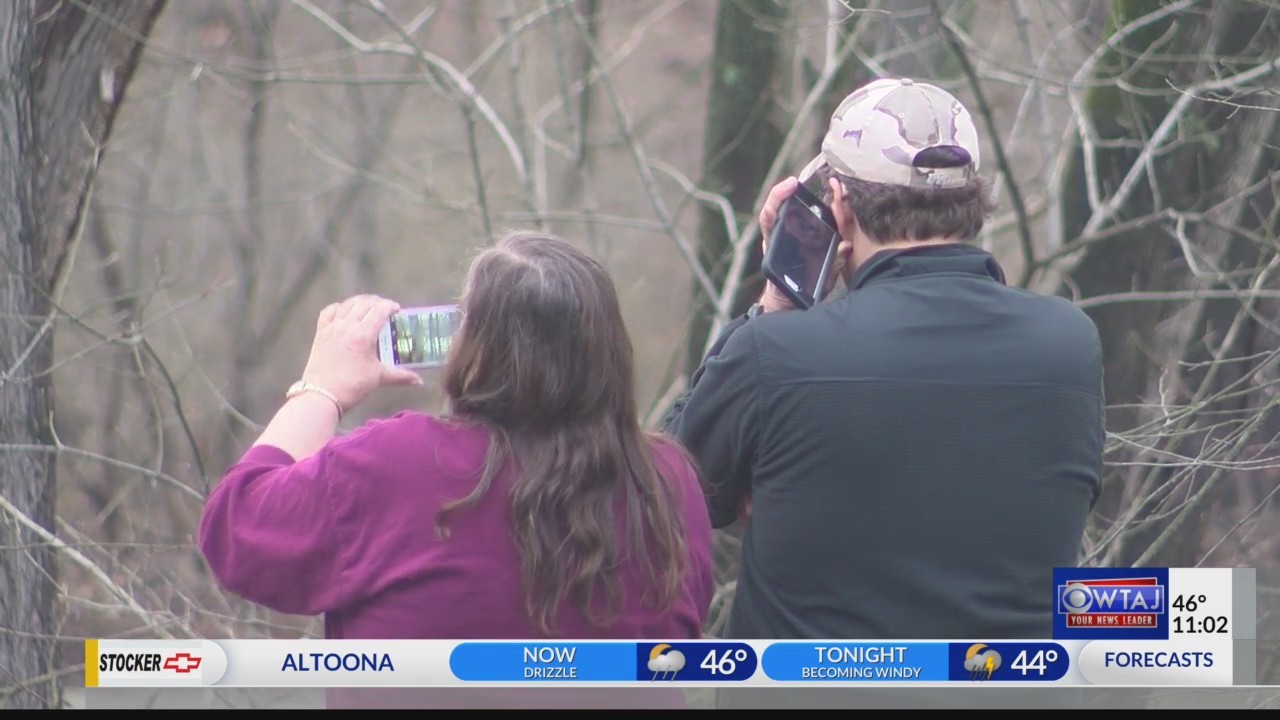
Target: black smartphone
pixel 802 248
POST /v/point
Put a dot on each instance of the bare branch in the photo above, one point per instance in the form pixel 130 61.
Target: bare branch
pixel 74 555
pixel 1139 168
pixel 443 72
pixel 1015 194
pixel 750 235
pixel 60 449
pixel 1253 513
pixel 64 273
pixel 720 202
pixel 1198 499
pixel 1176 295
pixel 642 164
pixel 511 34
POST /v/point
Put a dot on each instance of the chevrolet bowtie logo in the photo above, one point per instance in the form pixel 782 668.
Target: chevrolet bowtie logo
pixel 182 663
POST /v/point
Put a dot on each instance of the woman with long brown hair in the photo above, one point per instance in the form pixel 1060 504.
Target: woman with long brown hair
pixel 535 508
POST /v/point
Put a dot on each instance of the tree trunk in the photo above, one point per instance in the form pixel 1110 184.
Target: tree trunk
pixel 63 70
pixel 742 134
pixel 1152 349
pixel 741 138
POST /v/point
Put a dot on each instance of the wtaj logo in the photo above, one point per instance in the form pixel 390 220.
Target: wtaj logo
pixel 1119 603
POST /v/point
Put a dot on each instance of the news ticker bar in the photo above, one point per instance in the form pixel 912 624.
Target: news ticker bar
pixel 1127 627
pixel 437 663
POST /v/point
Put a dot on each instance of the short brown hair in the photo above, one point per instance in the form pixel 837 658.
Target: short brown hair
pixel 889 213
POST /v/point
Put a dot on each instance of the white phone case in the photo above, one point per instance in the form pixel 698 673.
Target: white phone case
pixel 387 340
pixel 384 346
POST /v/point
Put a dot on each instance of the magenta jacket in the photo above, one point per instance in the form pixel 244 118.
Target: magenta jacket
pixel 350 533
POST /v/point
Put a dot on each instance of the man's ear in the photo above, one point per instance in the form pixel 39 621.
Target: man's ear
pixel 844 252
pixel 845 222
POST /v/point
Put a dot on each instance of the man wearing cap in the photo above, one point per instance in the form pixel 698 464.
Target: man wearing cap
pixel 912 458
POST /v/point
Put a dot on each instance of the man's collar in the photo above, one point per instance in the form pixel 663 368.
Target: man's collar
pixel 926 259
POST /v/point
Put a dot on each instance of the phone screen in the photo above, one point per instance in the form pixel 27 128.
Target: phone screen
pixel 801 248
pixel 419 337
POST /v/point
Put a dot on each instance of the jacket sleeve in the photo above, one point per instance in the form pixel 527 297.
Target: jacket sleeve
pixel 276 531
pixel 717 420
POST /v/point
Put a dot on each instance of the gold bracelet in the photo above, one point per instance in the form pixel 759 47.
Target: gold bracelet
pixel 303 387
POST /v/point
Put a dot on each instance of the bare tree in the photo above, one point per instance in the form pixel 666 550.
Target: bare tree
pixel 1180 159
pixel 742 132
pixel 65 67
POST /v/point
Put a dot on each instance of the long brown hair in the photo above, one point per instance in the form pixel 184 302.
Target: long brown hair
pixel 544 362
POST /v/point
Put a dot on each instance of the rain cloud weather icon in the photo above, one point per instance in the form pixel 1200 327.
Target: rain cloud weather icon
pixel 981 661
pixel 665 661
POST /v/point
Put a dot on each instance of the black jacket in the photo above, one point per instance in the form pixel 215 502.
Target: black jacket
pixel 920 453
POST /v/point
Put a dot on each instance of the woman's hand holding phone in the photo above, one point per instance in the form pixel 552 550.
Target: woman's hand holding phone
pixel 344 355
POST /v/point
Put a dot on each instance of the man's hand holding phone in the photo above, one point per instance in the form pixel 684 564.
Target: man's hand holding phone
pixel 773 299
pixel 800 241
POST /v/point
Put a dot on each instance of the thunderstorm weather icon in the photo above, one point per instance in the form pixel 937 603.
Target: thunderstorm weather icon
pixel 981 661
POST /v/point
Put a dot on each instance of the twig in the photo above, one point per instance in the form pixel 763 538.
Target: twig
pixel 1248 516
pixel 832 40
pixel 517 28
pixel 1176 295
pixel 123 338
pixel 1199 399
pixel 84 562
pixel 642 164
pixel 532 198
pixel 368 151
pixel 477 173
pixel 1015 194
pixel 592 21
pixel 438 67
pixel 401 189
pixel 1107 233
pixel 1054 236
pixel 1085 70
pixel 664 402
pixel 51 675
pixel 624 51
pixel 445 71
pixel 1198 499
pixel 742 246
pixel 64 272
pixel 592 218
pixel 1081 122
pixel 177 408
pixel 1139 167
pixel 716 200
pixel 61 449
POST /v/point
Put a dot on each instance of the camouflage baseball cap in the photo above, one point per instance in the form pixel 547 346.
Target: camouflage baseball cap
pixel 879 132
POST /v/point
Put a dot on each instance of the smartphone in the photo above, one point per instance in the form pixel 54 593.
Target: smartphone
pixel 418 337
pixel 802 248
